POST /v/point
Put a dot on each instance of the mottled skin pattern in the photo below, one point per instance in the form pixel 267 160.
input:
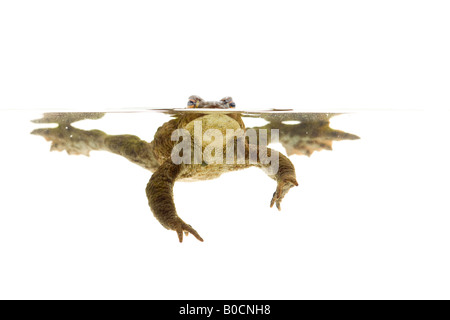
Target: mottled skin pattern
pixel 312 134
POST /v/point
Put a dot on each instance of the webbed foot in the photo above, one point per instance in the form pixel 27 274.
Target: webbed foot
pixel 182 227
pixel 72 140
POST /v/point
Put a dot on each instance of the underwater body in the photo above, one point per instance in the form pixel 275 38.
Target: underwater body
pixel 207 128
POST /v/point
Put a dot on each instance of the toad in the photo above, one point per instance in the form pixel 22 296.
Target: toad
pixel 158 156
pixel 204 151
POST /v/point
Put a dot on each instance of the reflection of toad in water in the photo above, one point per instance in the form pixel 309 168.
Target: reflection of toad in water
pixel 311 134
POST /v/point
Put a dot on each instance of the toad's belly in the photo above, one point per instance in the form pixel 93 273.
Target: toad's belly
pixel 207 172
pixel 213 130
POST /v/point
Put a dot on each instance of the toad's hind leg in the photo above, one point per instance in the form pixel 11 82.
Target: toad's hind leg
pixel 78 141
pixel 134 149
pixel 160 199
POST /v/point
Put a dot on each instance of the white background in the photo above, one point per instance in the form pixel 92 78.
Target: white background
pixel 369 219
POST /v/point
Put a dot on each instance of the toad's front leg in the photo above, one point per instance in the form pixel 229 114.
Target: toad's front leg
pixel 281 169
pixel 285 177
pixel 283 186
pixel 160 198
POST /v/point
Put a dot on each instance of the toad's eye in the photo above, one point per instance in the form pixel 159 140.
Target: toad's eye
pixel 191 104
pixel 227 102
